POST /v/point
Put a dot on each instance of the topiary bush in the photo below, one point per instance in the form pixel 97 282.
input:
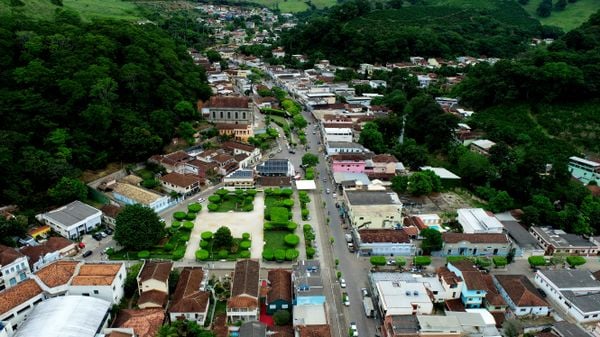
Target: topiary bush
pixel 204 244
pixel 176 224
pixel 377 260
pixel 206 235
pixel 184 237
pixel 291 240
pixel 212 207
pixel 288 203
pixel 245 254
pixel 214 199
pixel 248 208
pixel 291 254
pixel 310 252
pixel 268 254
pixel 251 192
pixel 201 255
pixel 279 255
pixel 500 261
pixel 306 227
pixel 304 214
pixel 179 253
pixel 144 254
pixel 223 253
pixel 291 226
pixel 188 225
pixel 245 245
pixel 268 226
pixel 194 208
pixel 286 192
pixel 246 236
pixel 190 216
pixel 222 192
pixel 168 246
pixel 179 215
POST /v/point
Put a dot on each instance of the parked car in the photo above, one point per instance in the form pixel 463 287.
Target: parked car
pixel 81 245
pixel 103 234
pixel 327 191
pixel 97 237
pixel 342 283
pixel 108 231
pixel 201 200
pixel 364 292
pixel 346 299
pixel 87 253
pixel 334 195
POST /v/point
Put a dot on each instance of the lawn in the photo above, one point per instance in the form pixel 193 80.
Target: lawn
pixel 171 249
pixel 87 9
pixel 573 16
pixel 225 201
pixel 274 239
pixel 293 6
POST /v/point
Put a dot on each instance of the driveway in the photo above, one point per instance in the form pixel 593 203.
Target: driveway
pixel 238 223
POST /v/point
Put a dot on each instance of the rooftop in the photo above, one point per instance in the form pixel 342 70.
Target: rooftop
pixel 58 273
pixel 253 329
pixel 383 235
pixel 280 281
pixel 245 278
pixel 483 143
pixel 314 331
pixel 404 324
pixel 345 145
pixel 54 243
pixel 156 297
pixel 560 239
pixel 155 271
pixel 72 213
pixel 8 255
pixel 398 295
pixel 306 277
pixel 136 193
pixel 309 314
pixel 450 237
pixel 144 322
pixel 441 172
pixel 228 102
pixel 97 274
pixel 188 297
pixel 181 180
pixel 14 296
pixel 571 278
pixel 373 198
pixel 241 174
pixel 566 329
pixel 111 210
pixel 239 146
pixel 476 220
pixel 520 235
pixel 521 291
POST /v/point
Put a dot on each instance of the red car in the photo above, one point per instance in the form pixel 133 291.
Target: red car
pixel 81 245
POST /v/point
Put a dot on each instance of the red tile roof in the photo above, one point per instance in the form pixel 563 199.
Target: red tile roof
pixel 58 273
pixel 449 237
pixel 492 295
pixel 154 297
pixel 242 302
pixel 348 157
pixel 314 330
pixel 111 211
pixel 238 145
pixel 156 270
pixel 281 285
pixel 245 278
pixel 188 297
pixel 8 255
pixel 181 180
pixel 54 243
pixel 14 296
pixel 225 126
pixel 144 322
pixel 228 102
pixel 383 235
pixel 448 276
pixel 521 291
pixel 97 274
pixel 384 158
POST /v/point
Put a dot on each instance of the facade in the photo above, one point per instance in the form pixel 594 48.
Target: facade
pixel 190 301
pixel 381 165
pixel 337 135
pixel 17 302
pixel 387 242
pixel 243 304
pixel 72 220
pixel 558 241
pixel 373 209
pixel 521 295
pixel 239 179
pixel 229 110
pixel 182 184
pixel 130 195
pixel 334 148
pixel 474 288
pixel 47 252
pixel 348 163
pixel 101 280
pixel 451 283
pixel 153 284
pixel 13 266
pixel 475 244
pixel 239 132
pixel 584 170
pixel 242 148
pixel 476 220
pixel 279 296
pixel 576 291
pixel 276 168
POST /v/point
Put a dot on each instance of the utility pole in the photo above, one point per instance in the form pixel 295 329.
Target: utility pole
pixel 401 138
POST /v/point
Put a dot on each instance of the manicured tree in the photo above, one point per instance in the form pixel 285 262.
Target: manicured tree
pixel 575 261
pixel 176 224
pixel 291 226
pixel 188 225
pixel 310 252
pixel 179 216
pixel 279 254
pixel 204 244
pixel 201 255
pixel 400 261
pixel 246 236
pixel 208 235
pixel 483 262
pixel 286 192
pixel 310 159
pixel 251 192
pixel 291 240
pixel 291 254
pixel 138 227
pixel 214 199
pixel 536 261
pixel 499 261
pixel 190 216
pixel 245 254
pixel 245 245
pixel 281 317
pixel 222 192
pixel 194 208
pixel 212 207
pixel 422 261
pixel 222 237
pixel 223 253
pixel 378 260
pixel 268 254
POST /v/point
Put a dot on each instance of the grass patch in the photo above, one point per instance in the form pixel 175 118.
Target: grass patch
pixel 274 239
pixel 172 248
pixel 572 17
pixel 87 9
pixel 293 6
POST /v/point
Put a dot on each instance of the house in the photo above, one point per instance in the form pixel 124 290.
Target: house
pixel 481 146
pixel 182 184
pixel 430 220
pixel 381 166
pixel 109 214
pixel 447 178
pixel 144 322
pixel 373 209
pixel 18 301
pixel 229 110
pixel 401 326
pixel 308 285
pixel 309 314
pixel 576 291
pixel 239 132
pixel 226 162
pixel 432 284
pixel 190 301
pixel 239 179
pixel 474 287
pixel 566 329
pixel 333 148
pixel 172 162
pixel 487 244
pixel 129 194
pixel 279 296
pixel 521 295
pixel 474 322
pixel 153 284
pixel 337 135
pixel 451 283
pixel 253 329
pixel 558 241
pixel 276 168
pixel 402 298
pixel 53 249
pixel 322 330
pixel 101 280
pixel 236 148
pixel 201 168
pixel 348 163
pixel 476 220
pixel 39 232
pixel 243 304
pixel 584 170
pixel 72 220
pixel 388 242
pixel 13 266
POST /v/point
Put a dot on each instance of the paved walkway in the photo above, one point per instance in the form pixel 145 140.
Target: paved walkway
pixel 238 223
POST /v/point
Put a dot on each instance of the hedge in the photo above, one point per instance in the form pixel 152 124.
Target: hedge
pixel 536 261
pixel 422 260
pixel 279 254
pixel 184 236
pixel 222 192
pixel 188 225
pixel 245 245
pixel 306 227
pixel 212 207
pixel 291 240
pixel 176 224
pixel 292 226
pixel 483 262
pixel 288 203
pixel 251 193
pixel 178 254
pixel 190 216
pixel 203 244
pixel 291 254
pixel 179 215
pixel 279 214
pixel 575 261
pixel 268 254
pixel 214 199
pixel 144 254
pixel 378 260
pixel 310 252
pixel 245 254
pixel 194 208
pixel 223 253
pixel 245 236
pixel 500 261
pixel 248 208
pixel 304 214
pixel 201 254
pixel 400 261
pixel 206 235
pixel 168 246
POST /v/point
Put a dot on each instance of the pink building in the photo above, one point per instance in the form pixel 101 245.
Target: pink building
pixel 352 163
pixel 381 166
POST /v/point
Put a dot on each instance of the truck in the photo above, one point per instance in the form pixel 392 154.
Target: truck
pixel 348 237
pixel 368 306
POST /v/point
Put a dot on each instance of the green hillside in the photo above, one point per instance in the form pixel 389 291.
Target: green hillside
pixel 572 17
pixel 87 9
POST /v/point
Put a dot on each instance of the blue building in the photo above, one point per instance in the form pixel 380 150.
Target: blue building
pixel 307 283
pixel 474 287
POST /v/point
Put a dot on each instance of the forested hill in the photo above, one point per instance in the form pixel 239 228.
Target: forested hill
pixel 77 95
pixel 355 32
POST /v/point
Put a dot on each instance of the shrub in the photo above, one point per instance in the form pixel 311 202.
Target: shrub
pixel 222 192
pixel 194 208
pixel 144 254
pixel 223 253
pixel 190 216
pixel 245 254
pixel 288 203
pixel 176 224
pixel 279 214
pixel 201 255
pixel 281 317
pixel 208 235
pixel 575 261
pixel 304 214
pixel 536 261
pixel 310 252
pixel 483 262
pixel 279 254
pixel 499 261
pixel 214 199
pixel 459 258
pixel 179 253
pixel 306 227
pixel 378 260
pixel 338 274
pixel 204 244
pixel 212 207
pixel 268 254
pixel 168 246
pixel 268 226
pixel 291 240
pixel 291 226
pixel 400 261
pixel 248 208
pixel 179 215
pixel 422 260
pixel 245 245
pixel 286 192
pixel 188 225
pixel 246 236
pixel 291 254
pixel 184 236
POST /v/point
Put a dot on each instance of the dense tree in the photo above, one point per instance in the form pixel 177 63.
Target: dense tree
pixel 138 227
pixel 399 184
pixel 560 5
pixel 67 190
pixel 310 159
pixel 371 138
pixel 213 55
pixel 500 202
pixel 183 328
pixel 423 113
pixel 10 228
pixel 282 317
pixel 544 9
pixel 432 240
pixel 412 154
pixel 222 237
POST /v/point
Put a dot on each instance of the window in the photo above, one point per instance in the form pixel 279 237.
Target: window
pixel 221 114
pixel 228 114
pixel 214 114
pixel 243 115
pixel 272 306
pixel 237 115
pixel 284 306
pixel 522 310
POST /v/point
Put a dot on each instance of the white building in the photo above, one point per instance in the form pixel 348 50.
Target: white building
pixel 183 184
pixel 130 195
pixel 239 179
pixel 476 220
pixel 576 291
pixel 373 209
pixel 521 295
pixel 72 220
pixel 310 314
pixel 13 266
pixel 334 148
pixel 17 302
pixel 403 298
pixel 190 301
pixel 337 135
pixel 101 280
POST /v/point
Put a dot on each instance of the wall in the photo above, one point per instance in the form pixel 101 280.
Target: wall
pixel 199 317
pixel 17 271
pixel 556 296
pixel 154 285
pixel 474 249
pixel 348 166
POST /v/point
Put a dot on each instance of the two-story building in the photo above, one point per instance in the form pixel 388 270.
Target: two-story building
pixel 486 244
pixel 333 148
pixel 236 148
pixel 386 242
pixel 243 304
pixel 72 220
pixel 190 301
pixel 373 209
pixel 182 184
pixel 14 267
pixel 474 288
pixel 337 135
pixel 348 163
pixel 229 110
pixel 558 241
pixel 101 280
pixel 521 295
pixel 129 194
pixel 381 166
pixel 403 298
pixel 49 251
pixel 153 284
pixel 279 296
pixel 307 283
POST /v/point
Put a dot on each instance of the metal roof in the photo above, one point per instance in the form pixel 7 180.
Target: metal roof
pixel 72 213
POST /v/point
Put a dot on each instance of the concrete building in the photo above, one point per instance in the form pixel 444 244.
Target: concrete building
pixel 373 209
pixel 239 179
pixel 236 148
pixel 558 241
pixel 307 283
pixel 348 163
pixel 333 148
pixel 402 298
pixel 478 289
pixel 481 146
pixel 576 291
pixel 243 304
pixel 239 132
pixel 17 302
pixel 229 110
pixel 101 280
pixel 584 170
pixel 72 220
pixel 386 242
pixel 309 314
pixel 130 195
pixel 521 295
pixel 153 284
pixel 524 243
pixel 477 220
pixel 14 267
pixel 183 184
pixel 337 135
pixel 486 244
pixel 190 301
pixel 276 168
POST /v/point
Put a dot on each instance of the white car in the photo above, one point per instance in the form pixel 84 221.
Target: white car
pixel 353 326
pixel 342 283
pixel 201 200
pixel 327 191
pixel 334 195
pixel 347 301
